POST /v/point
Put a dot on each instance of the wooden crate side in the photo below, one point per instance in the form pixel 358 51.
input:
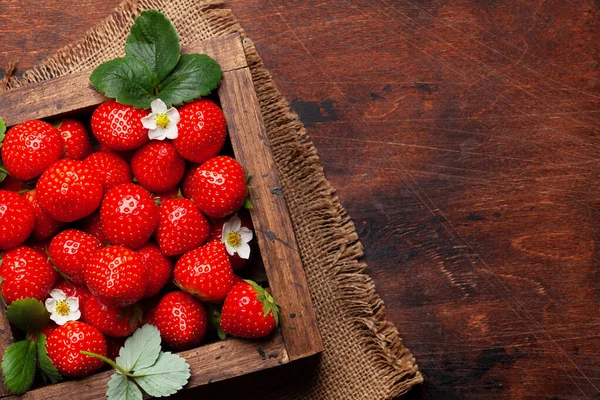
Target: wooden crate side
pixel 6 339
pixel 270 215
pixel 210 363
pixel 74 92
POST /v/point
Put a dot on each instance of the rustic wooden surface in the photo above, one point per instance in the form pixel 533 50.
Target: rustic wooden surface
pixel 462 138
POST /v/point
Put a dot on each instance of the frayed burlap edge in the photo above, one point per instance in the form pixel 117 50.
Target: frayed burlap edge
pixel 326 235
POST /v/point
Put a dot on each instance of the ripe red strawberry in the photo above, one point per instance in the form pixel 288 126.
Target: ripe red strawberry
pixel 249 312
pixel 219 187
pixel 113 346
pixel 187 181
pixel 162 196
pixel 93 226
pixel 65 344
pixel 201 131
pixel 79 291
pixel 31 147
pixel 181 227
pixel 117 275
pixel 237 279
pixel 205 272
pixel 71 250
pixel 233 237
pixel 77 140
pixel 12 184
pixel 17 219
pixel 110 320
pixel 158 268
pixel 45 225
pixel 119 127
pixel 181 320
pixel 26 273
pixel 40 247
pixel 68 191
pixel 157 166
pixel 111 169
pixel 48 329
pixel 129 215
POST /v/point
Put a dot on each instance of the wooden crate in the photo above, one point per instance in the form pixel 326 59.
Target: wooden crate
pixel 298 335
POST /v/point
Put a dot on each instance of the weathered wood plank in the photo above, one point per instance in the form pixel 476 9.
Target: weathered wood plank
pixel 73 92
pixel 270 215
pixel 211 363
pixel 6 339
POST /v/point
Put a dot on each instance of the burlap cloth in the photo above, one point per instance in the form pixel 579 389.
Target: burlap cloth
pixel 364 357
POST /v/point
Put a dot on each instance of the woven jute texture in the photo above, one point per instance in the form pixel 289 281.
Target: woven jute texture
pixel 364 357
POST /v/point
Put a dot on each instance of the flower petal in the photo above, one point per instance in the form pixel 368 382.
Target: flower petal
pixel 230 249
pixel 73 303
pixel 236 223
pixel 171 132
pixel 50 305
pixel 149 121
pixel 226 230
pixel 244 251
pixel 58 294
pixel 59 319
pixel 157 134
pixel 173 116
pixel 246 234
pixel 75 315
pixel 158 106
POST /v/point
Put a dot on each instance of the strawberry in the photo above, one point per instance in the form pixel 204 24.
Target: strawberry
pixel 77 140
pixel 45 225
pixel 249 311
pixel 129 215
pixel 233 238
pixel 70 251
pixel 68 191
pixel 113 346
pixel 157 166
pixel 12 184
pixel 205 272
pixel 111 169
pixel 181 227
pixel 79 291
pixel 26 273
pixel 48 329
pixel 187 181
pixel 110 320
pixel 17 219
pixel 219 187
pixel 237 279
pixel 158 268
pixel 117 275
pixel 65 344
pixel 31 147
pixel 162 196
pixel 93 226
pixel 201 131
pixel 40 247
pixel 119 127
pixel 181 320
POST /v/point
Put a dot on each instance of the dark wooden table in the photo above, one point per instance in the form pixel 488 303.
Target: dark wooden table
pixel 462 137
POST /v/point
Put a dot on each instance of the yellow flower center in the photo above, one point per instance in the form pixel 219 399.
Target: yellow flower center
pixel 62 308
pixel 162 120
pixel 234 239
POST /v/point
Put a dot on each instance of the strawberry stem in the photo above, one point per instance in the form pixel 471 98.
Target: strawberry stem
pixel 109 362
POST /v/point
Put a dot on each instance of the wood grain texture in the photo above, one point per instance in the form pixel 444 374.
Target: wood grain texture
pixel 462 137
pixel 270 215
pixel 211 363
pixel 75 92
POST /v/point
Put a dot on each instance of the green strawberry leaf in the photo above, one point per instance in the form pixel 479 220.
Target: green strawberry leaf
pixel 269 303
pixel 18 366
pixel 169 374
pixel 141 349
pixel 154 41
pixel 126 79
pixel 195 75
pixel 29 315
pixel 49 372
pixel 248 203
pixel 2 130
pixel 121 388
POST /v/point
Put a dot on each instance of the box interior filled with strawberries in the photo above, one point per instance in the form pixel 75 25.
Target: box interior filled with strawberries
pixel 146 243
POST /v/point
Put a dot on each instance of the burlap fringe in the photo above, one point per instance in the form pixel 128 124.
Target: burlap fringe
pixel 324 219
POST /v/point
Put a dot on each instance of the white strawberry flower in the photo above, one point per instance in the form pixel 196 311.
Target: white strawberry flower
pixel 236 237
pixel 62 308
pixel 161 123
